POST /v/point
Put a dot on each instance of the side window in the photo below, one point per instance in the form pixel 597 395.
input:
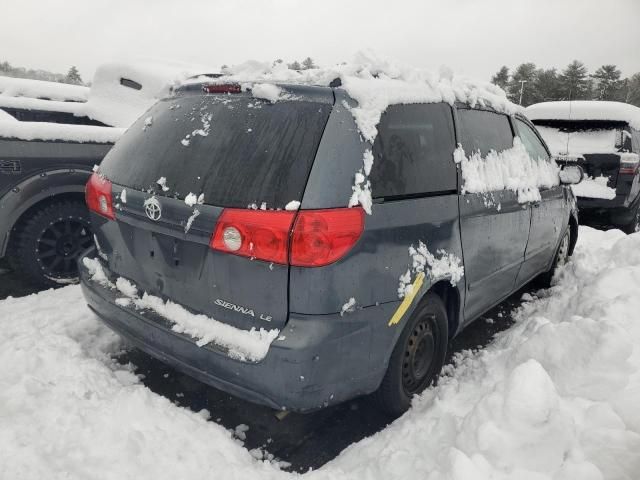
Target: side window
pixel 413 152
pixel 484 131
pixel 531 142
pixel 635 140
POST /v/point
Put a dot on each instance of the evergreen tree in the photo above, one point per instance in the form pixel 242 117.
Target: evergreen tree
pixel 501 78
pixel 295 65
pixel 523 81
pixel 574 82
pixel 73 76
pixel 632 93
pixel 307 63
pixel 547 85
pixel 607 82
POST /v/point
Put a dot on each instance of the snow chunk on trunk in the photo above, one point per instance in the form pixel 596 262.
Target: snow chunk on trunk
pixel 292 205
pixel 591 187
pixel 511 169
pixel 266 91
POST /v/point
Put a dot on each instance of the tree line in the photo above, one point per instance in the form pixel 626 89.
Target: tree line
pixel 72 76
pixel 527 84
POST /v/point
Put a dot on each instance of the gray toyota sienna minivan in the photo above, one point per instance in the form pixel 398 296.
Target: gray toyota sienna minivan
pixel 225 247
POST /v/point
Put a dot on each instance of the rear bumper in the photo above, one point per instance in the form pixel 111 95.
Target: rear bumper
pixel 618 211
pixel 317 361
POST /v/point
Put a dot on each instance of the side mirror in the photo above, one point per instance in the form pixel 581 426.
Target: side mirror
pixel 571 174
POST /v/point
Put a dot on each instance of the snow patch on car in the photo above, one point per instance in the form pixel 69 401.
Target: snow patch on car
pixel 594 187
pixel 267 91
pixel 511 169
pixel 443 265
pixel 245 345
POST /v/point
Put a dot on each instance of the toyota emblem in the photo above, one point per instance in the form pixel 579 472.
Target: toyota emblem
pixel 153 209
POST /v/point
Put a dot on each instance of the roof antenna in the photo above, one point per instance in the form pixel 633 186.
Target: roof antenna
pixel 569 131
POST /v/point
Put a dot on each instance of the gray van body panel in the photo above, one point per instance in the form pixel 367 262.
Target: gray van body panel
pixel 323 354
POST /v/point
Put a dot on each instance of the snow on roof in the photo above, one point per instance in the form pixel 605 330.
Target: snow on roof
pixel 108 100
pixel 376 83
pixel 120 105
pixel 12 128
pixel 24 87
pixel 28 103
pixel 585 110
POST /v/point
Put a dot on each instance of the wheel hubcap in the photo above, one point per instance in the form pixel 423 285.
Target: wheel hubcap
pixel 418 356
pixel 59 246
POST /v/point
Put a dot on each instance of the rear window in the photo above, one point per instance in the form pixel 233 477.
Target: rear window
pixel 583 136
pixel 484 131
pixel 235 149
pixel 413 151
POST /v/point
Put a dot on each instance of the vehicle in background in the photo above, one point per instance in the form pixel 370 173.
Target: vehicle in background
pixel 51 137
pixel 604 139
pixel 234 257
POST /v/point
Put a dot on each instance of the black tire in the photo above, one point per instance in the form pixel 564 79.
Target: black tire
pixel 634 225
pixel 417 358
pixel 561 257
pixel 46 244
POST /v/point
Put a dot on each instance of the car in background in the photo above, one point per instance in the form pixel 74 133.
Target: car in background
pixel 51 137
pixel 604 139
pixel 232 248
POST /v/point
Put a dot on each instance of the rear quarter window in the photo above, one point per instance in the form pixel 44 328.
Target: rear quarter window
pixel 483 131
pixel 413 151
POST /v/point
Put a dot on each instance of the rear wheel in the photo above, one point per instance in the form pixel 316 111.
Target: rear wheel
pixel 561 258
pixel 47 244
pixel 417 357
pixel 634 225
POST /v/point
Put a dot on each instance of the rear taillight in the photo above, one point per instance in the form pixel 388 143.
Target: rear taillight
pixel 222 88
pixel 629 163
pixel 315 239
pixel 254 233
pixel 98 196
pixel 321 237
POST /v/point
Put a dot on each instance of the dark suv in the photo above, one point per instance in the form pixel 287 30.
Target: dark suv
pixel 227 249
pixel 598 136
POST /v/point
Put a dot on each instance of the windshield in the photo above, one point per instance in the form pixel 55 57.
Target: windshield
pixel 236 150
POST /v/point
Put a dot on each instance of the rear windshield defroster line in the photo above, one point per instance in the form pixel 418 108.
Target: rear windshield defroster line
pixel 236 150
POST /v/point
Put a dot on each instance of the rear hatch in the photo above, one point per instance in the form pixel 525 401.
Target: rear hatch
pixel 185 162
pixel 595 145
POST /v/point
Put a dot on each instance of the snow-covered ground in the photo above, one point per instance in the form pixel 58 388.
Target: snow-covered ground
pixel 557 396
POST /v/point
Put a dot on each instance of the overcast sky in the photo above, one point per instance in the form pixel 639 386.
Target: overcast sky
pixel 474 37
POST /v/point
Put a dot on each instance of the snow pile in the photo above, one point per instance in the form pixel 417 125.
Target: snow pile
pixel 24 87
pixel 580 142
pixel 444 266
pixel 591 187
pixel 511 169
pixel 246 345
pixel 585 110
pixel 554 398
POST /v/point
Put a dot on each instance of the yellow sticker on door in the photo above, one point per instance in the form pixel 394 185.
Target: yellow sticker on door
pixel 408 299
